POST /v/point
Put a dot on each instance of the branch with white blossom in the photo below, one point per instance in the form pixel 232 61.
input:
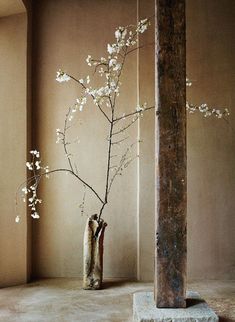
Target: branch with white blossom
pixel 105 97
pixel 31 184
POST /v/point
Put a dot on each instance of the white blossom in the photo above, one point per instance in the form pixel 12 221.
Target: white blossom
pixel 37 164
pixel 120 33
pixel 139 108
pixel 46 171
pixel 88 60
pixel 82 101
pixel 191 108
pixel 117 67
pixel 112 62
pixel 188 82
pixel 62 76
pixel 218 114
pixel 203 108
pixel 111 49
pixel 207 114
pixel 35 215
pixel 36 153
pixel 17 219
pixel 25 190
pixel 29 165
pixel 101 71
pixel 142 26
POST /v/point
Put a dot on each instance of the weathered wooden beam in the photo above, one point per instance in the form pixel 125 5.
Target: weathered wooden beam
pixel 170 256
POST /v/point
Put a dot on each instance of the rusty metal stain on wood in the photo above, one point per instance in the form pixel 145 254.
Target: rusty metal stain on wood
pixel 170 257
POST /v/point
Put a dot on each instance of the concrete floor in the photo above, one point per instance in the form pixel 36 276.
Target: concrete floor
pixel 63 300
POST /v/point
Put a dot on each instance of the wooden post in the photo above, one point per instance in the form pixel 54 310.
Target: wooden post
pixel 170 248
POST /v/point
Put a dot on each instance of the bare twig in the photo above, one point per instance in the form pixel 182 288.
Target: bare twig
pixel 64 140
pixel 140 47
pixel 133 113
pixel 122 164
pixel 82 205
pixel 121 130
pixel 37 176
pixel 120 141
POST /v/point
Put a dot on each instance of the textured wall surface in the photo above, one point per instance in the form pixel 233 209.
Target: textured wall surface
pixel 12 146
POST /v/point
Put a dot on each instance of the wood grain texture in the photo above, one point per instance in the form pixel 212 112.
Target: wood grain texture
pixel 170 248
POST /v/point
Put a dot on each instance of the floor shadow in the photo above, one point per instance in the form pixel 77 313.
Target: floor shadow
pixel 113 284
pixel 192 302
pixel 224 319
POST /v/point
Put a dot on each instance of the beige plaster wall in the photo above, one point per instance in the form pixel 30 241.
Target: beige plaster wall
pixel 64 33
pixel 211 142
pixel 13 42
pixel 11 7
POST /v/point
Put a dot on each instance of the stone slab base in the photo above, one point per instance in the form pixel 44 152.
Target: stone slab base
pixel 144 310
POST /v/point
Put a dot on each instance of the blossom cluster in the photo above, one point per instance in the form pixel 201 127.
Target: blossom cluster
pixel 141 108
pixel 188 82
pixel 206 110
pixel 110 67
pixel 29 192
pixel 62 76
pixel 59 136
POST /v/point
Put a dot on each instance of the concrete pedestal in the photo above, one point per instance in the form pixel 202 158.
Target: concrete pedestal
pixel 144 310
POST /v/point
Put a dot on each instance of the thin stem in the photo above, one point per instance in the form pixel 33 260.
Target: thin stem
pixel 64 170
pixel 120 141
pixel 108 169
pixel 140 47
pixel 64 140
pixel 133 113
pixel 109 160
pixel 122 165
pixel 126 127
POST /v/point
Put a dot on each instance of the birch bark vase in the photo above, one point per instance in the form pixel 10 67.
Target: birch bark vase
pixel 93 253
